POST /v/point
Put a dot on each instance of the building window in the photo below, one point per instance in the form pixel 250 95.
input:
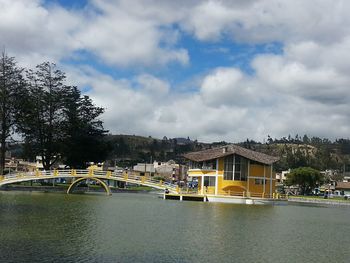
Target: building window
pixel 228 167
pixel 209 181
pixel 195 165
pixel 241 168
pixel 259 181
pixel 210 165
pixel 206 165
pixel 236 168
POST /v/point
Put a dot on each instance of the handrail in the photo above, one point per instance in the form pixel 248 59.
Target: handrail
pixel 51 174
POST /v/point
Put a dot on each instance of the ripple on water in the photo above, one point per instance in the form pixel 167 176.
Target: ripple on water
pixel 143 228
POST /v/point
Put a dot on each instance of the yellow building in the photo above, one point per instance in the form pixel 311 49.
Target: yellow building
pixel 232 171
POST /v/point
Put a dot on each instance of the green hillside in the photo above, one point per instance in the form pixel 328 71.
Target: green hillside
pixel 318 153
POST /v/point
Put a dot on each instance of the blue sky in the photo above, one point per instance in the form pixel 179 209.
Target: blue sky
pixel 211 70
pixel 203 57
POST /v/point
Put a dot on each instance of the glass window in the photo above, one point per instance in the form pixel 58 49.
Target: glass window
pixel 241 168
pixel 237 168
pixel 240 165
pixel 244 169
pixel 211 165
pixel 195 165
pixel 228 167
pixel 209 181
pixel 259 181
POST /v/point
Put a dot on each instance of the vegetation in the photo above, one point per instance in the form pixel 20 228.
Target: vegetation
pixel 11 87
pixel 55 121
pixel 306 178
pixel 127 150
pixel 320 154
pixel 58 123
pixel 84 131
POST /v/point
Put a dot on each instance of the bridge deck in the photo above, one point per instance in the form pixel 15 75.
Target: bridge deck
pixel 102 175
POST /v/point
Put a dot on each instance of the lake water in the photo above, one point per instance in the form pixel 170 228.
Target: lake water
pixel 124 227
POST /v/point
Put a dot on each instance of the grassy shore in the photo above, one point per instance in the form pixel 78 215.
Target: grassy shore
pixel 319 200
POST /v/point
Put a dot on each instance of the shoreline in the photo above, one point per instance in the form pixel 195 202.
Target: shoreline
pixel 63 189
pixel 313 201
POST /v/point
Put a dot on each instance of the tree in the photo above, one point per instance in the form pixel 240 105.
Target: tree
pixel 305 177
pixel 57 122
pixel 41 121
pixel 306 139
pixel 84 140
pixel 11 87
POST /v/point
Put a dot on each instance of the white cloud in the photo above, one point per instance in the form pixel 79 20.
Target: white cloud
pixel 270 20
pixel 153 85
pixel 120 38
pixel 303 90
pixel 35 34
pixel 116 35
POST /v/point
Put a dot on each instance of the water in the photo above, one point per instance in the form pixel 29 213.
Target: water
pixel 39 227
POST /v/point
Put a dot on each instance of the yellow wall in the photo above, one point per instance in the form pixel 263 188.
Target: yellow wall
pixel 221 166
pixel 239 187
pixel 258 170
pixel 209 190
pixel 199 184
pixel 195 172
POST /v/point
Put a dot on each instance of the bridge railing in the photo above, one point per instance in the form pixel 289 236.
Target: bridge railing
pixel 51 174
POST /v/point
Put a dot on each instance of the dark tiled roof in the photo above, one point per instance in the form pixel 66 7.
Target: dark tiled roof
pixel 228 150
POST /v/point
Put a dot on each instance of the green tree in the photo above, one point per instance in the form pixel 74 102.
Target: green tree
pixel 84 133
pixel 42 120
pixel 305 177
pixel 57 122
pixel 306 139
pixel 11 89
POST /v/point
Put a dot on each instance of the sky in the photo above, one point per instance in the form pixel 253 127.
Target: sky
pixel 210 70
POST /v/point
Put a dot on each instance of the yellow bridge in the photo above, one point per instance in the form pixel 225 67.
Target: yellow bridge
pixel 81 175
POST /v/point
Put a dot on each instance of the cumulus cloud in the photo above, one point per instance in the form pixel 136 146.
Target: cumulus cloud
pixel 109 30
pixel 35 33
pixel 305 89
pixel 270 20
pixel 153 85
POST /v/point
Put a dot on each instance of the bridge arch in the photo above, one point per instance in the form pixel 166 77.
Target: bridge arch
pixel 74 183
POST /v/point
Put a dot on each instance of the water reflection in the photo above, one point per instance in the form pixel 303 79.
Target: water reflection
pixel 144 228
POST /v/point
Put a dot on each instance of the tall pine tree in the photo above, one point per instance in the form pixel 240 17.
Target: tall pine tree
pixel 11 88
pixel 84 131
pixel 41 121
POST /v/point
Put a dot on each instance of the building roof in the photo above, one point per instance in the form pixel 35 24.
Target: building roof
pixel 343 185
pixel 215 153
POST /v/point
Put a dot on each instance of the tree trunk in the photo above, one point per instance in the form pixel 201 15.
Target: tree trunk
pixel 2 155
pixel 2 148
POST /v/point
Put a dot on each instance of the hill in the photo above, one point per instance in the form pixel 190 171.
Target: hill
pixel 318 153
pixel 127 150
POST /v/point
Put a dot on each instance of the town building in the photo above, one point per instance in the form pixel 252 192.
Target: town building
pixel 282 176
pixel 343 187
pixel 170 170
pixel 232 171
pixel 144 169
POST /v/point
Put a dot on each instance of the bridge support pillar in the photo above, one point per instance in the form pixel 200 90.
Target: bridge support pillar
pixel 103 184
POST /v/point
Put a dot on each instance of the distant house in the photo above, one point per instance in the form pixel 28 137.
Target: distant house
pixel 232 170
pixel 343 187
pixel 144 168
pixel 170 169
pixel 281 177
